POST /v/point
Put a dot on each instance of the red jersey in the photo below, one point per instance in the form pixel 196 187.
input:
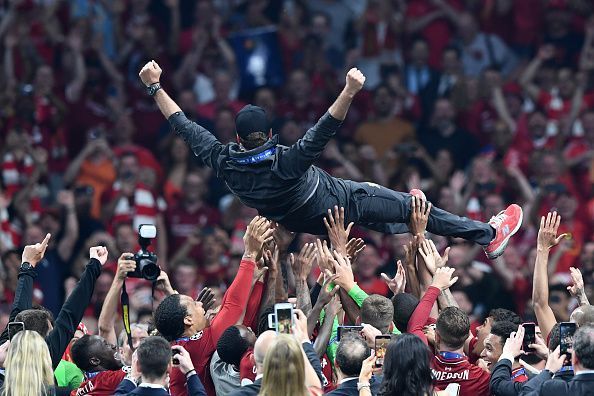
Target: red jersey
pixel 449 368
pixel 103 383
pixel 203 344
pixel 247 367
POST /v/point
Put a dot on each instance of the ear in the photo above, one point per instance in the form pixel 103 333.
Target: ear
pixel 437 338
pixel 188 321
pixel 94 361
pixel 270 134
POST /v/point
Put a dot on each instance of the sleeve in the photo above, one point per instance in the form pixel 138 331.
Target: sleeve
pixel 501 383
pixel 314 360
pixel 23 298
pixel 421 313
pixel 314 293
pixel 234 300
pixel 72 312
pixel 253 306
pixel 195 387
pixel 125 387
pixel 358 295
pixel 203 143
pixel 533 385
pixel 301 155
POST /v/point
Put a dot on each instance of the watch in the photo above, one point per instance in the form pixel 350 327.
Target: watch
pixel 26 266
pixel 153 88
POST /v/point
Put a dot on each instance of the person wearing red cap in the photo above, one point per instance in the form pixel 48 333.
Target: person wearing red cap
pixel 283 184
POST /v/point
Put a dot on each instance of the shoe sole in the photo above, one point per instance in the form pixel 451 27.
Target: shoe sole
pixel 499 251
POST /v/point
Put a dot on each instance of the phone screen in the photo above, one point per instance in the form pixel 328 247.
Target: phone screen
pixel 381 345
pixel 14 328
pixel 284 319
pixel 566 332
pixel 529 336
pixel 344 330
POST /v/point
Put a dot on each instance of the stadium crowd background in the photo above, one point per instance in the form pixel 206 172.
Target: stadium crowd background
pixel 478 103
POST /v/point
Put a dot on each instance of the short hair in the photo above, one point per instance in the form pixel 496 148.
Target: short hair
pixel 263 319
pixel 169 317
pixel 82 352
pixel 36 320
pixel 350 354
pixel 404 306
pixel 505 315
pixel 377 311
pixel 583 346
pixel 154 356
pixel 503 330
pixel 232 346
pixel 254 140
pixel 584 316
pixel 453 327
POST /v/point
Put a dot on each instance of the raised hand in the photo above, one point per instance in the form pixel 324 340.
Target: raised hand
pixel 443 278
pixel 164 284
pixel 555 360
pixel 419 215
pixel 99 253
pixel 301 264
pixel 66 198
pixel 300 328
pixel 207 298
pixel 546 52
pixel 282 237
pixel 257 234
pixel 342 268
pixel 338 234
pixel 431 257
pixel 367 369
pixel 33 254
pixel 354 81
pixel 398 283
pixel 126 264
pixel 513 345
pixel 333 307
pixel 578 282
pixel 184 360
pixel 547 233
pixel 326 295
pixel 324 257
pixel 354 247
pixel 150 73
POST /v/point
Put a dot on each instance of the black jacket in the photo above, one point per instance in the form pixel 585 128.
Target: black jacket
pixel 70 315
pixel 544 385
pixel 349 388
pixel 276 180
pixel 314 360
pixel 501 380
pixel 127 387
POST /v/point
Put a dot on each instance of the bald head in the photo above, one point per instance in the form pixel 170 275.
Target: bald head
pixel 583 315
pixel 261 348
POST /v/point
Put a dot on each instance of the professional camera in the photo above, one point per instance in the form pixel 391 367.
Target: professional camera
pixel 146 262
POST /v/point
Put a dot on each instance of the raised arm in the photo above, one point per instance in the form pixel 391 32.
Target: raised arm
pixel 307 149
pixel 527 78
pixel 301 266
pixel 547 238
pixel 203 143
pixel 74 308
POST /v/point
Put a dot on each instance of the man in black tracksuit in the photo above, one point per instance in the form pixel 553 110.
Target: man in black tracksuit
pixel 284 186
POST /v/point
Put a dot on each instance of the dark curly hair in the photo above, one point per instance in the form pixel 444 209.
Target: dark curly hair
pixel 406 368
pixel 232 346
pixel 502 314
pixel 169 317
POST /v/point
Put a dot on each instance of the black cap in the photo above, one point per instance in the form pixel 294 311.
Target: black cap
pixel 251 119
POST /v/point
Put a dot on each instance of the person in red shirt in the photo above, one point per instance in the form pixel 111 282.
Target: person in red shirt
pixel 99 360
pixel 494 343
pixel 182 321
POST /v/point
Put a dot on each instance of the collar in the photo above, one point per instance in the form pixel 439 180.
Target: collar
pixel 565 369
pixel 237 154
pixel 91 374
pixel 256 158
pixel 519 375
pixel 152 386
pixel 584 372
pixel 451 355
pixel 258 377
pixel 342 381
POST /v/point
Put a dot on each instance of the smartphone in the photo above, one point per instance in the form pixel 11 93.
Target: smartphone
pixel 381 345
pixel 174 353
pixel 529 336
pixel 343 330
pixel 566 332
pixel 14 328
pixel 271 321
pixel 284 318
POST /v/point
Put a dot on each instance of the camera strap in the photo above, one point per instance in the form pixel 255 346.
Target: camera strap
pixel 125 301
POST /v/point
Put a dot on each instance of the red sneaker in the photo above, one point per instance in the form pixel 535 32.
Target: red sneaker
pixel 418 193
pixel 506 224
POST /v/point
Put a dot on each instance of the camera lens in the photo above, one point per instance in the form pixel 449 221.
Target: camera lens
pixel 149 269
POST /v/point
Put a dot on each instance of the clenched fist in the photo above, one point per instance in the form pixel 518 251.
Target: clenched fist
pixel 354 81
pixel 150 73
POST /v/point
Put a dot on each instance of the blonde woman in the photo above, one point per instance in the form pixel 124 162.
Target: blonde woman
pixel 28 367
pixel 287 370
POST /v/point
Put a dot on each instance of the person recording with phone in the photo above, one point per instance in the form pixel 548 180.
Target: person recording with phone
pixel 151 364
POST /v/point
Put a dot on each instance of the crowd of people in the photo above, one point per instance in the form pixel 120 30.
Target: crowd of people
pixel 476 103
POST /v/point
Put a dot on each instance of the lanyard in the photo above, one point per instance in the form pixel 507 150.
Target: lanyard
pixel 254 159
pixel 519 372
pixel 91 374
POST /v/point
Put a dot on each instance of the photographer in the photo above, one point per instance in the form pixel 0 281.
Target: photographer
pixel 151 364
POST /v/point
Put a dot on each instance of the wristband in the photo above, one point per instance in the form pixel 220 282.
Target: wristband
pixel 152 89
pixel 362 385
pixel 190 373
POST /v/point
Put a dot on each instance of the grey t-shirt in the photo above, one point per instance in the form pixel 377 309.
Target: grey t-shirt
pixel 224 376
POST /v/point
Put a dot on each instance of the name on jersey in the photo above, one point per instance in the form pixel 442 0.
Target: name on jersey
pixel 449 376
